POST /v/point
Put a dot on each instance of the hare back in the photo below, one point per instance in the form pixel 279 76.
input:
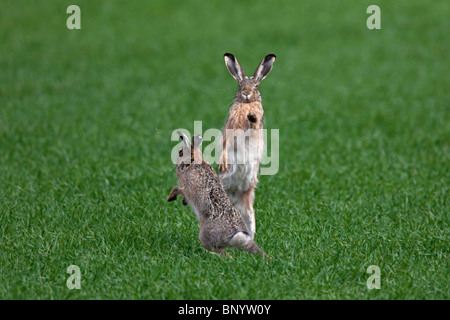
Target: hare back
pixel 199 183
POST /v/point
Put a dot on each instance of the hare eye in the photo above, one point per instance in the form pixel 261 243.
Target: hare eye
pixel 180 152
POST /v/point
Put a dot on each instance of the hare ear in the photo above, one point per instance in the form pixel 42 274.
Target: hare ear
pixel 197 141
pixel 184 138
pixel 264 67
pixel 234 67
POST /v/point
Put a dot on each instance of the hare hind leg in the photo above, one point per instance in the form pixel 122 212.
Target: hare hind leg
pixel 243 241
pixel 245 207
pixel 252 247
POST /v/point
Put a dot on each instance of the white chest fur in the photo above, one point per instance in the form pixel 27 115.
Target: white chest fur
pixel 244 153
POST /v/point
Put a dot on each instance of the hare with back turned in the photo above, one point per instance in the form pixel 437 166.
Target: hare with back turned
pixel 221 226
pixel 239 162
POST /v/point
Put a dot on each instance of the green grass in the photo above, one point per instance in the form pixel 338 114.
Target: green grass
pixel 85 170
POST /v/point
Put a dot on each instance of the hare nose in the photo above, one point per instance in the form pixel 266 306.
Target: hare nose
pixel 246 94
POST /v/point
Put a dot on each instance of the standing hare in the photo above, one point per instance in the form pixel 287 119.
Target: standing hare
pixel 221 226
pixel 242 139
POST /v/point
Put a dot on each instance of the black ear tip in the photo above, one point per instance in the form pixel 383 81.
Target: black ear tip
pixel 271 56
pixel 229 55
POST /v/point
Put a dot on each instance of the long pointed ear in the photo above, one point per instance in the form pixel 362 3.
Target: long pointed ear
pixel 234 67
pixel 264 67
pixel 197 141
pixel 184 138
pixel 197 154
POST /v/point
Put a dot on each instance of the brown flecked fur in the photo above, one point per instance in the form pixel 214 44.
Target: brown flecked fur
pixel 201 188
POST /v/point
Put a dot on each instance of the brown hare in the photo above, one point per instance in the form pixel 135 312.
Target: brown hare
pixel 221 226
pixel 239 161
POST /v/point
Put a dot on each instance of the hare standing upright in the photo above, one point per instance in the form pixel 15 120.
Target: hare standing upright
pixel 221 226
pixel 239 161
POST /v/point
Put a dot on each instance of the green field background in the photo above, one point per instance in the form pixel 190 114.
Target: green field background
pixel 364 160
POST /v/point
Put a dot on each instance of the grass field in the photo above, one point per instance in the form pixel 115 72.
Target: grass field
pixel 85 170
